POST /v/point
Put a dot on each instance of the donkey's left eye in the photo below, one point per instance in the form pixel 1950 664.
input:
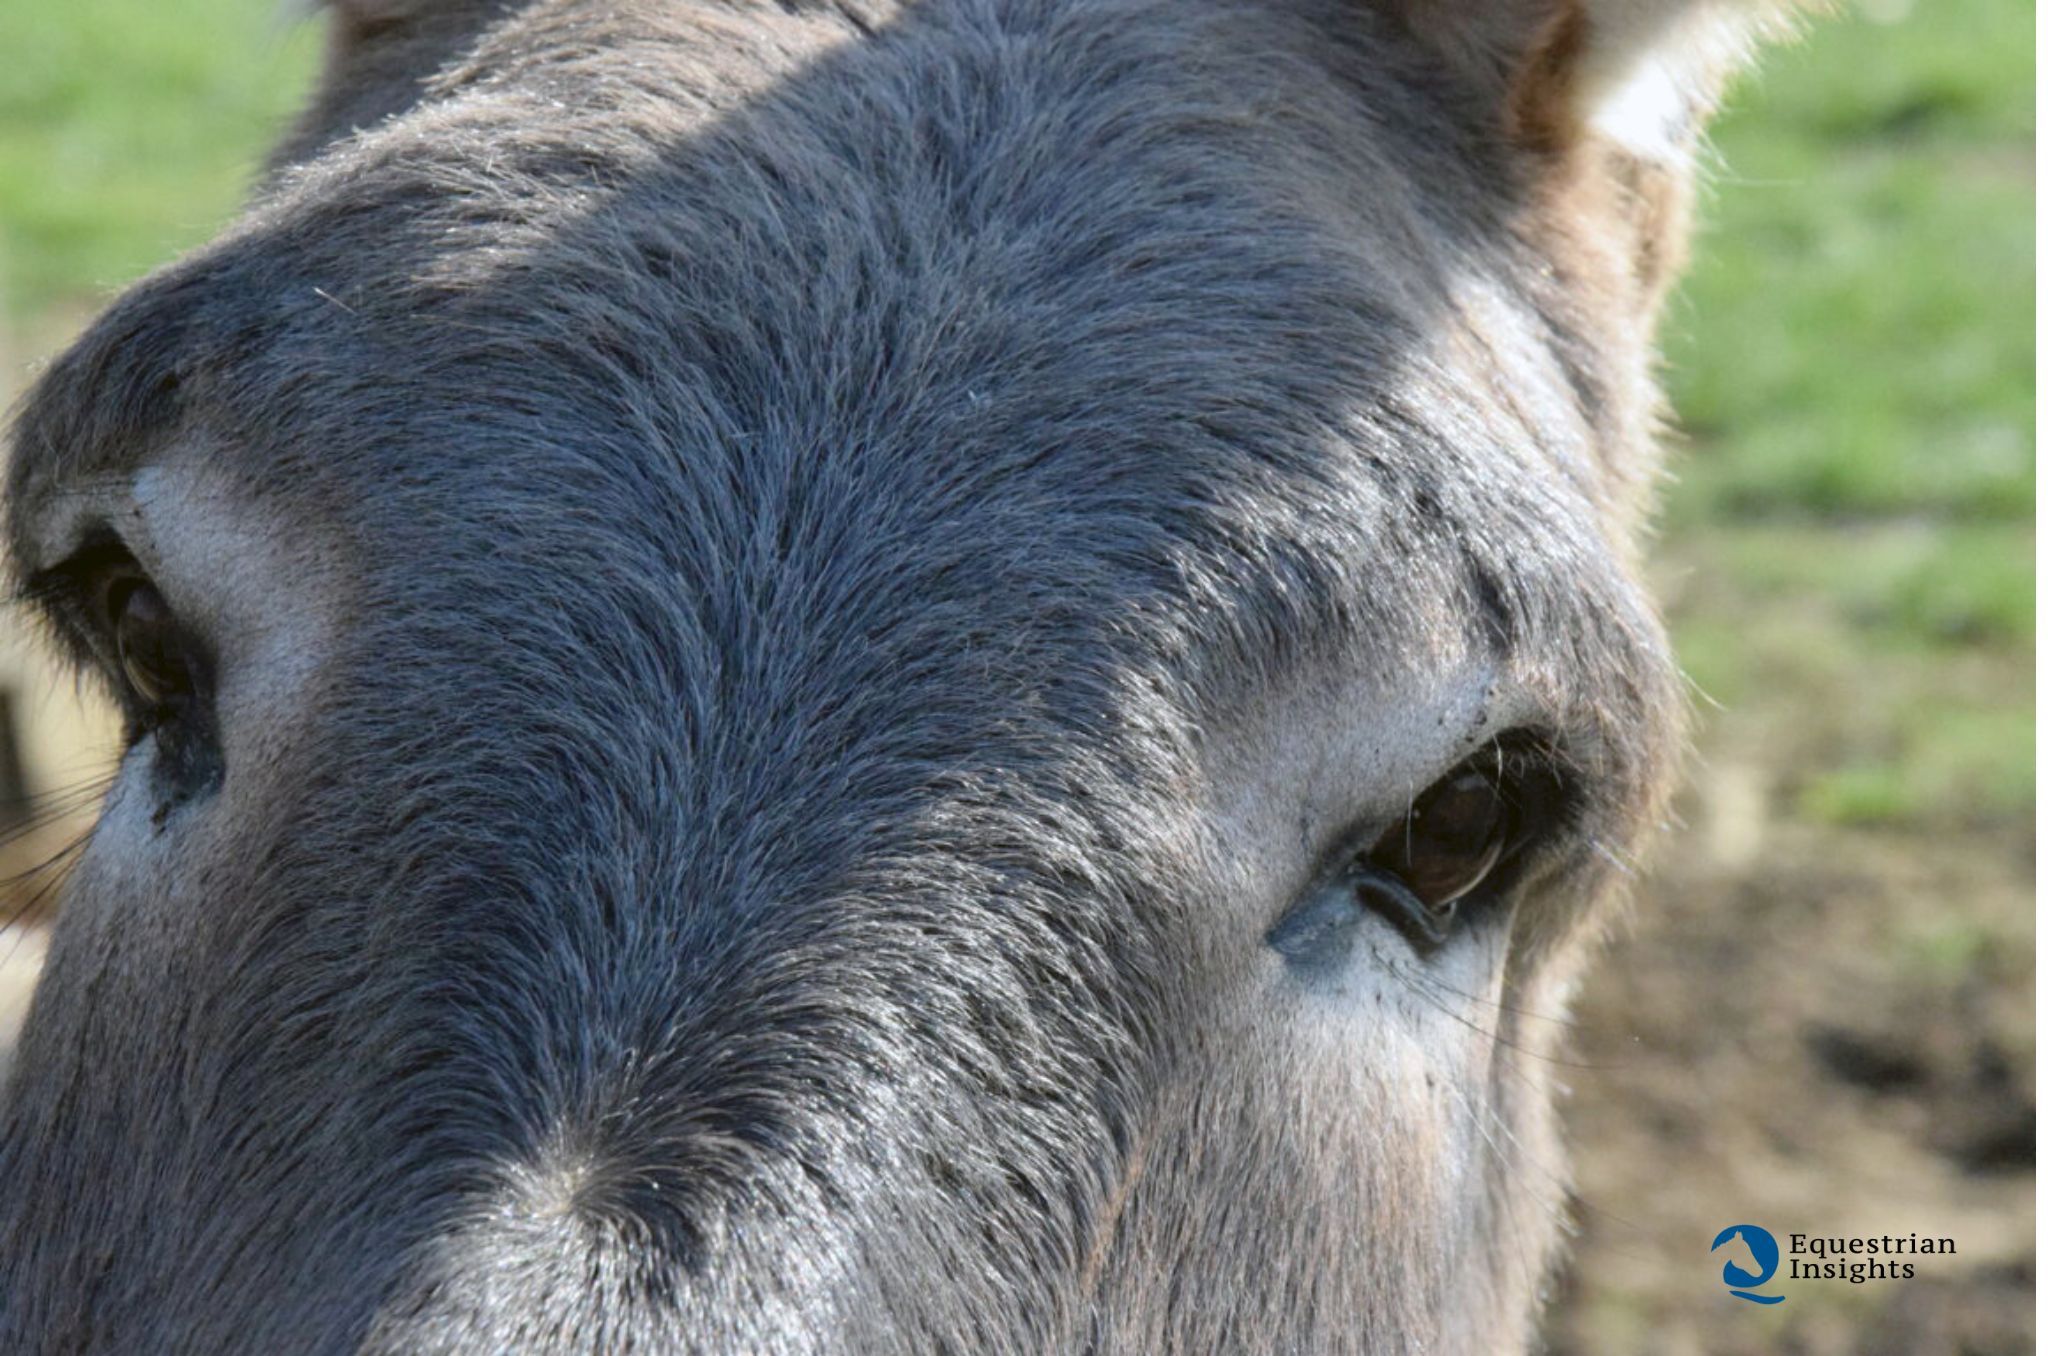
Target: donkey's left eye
pixel 1449 842
pixel 1453 841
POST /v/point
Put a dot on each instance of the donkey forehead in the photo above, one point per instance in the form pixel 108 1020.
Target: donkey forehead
pixel 1112 349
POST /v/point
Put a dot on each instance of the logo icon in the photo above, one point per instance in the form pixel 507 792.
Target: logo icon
pixel 1763 1250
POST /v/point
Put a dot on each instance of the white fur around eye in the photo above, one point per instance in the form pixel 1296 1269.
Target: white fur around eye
pixel 262 597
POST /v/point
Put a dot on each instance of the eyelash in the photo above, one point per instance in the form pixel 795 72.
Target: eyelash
pixel 115 623
pixel 1530 785
pixel 78 596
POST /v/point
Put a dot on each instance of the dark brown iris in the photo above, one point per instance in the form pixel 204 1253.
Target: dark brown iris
pixel 1450 840
pixel 1443 849
pixel 149 643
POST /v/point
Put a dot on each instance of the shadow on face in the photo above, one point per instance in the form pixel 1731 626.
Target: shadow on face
pixel 823 680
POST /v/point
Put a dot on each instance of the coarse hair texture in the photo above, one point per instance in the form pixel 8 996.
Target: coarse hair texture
pixel 807 511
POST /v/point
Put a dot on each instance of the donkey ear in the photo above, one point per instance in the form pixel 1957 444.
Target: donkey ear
pixel 380 53
pixel 356 22
pixel 1609 96
pixel 1643 75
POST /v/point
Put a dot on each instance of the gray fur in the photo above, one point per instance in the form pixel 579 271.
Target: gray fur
pixel 797 590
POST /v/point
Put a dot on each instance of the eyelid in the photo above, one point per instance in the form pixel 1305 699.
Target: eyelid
pixel 71 595
pixel 75 580
pixel 1519 758
pixel 1530 761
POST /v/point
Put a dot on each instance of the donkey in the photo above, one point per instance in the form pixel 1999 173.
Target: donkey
pixel 860 677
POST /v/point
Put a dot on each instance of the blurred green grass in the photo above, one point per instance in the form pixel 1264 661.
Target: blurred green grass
pixel 127 132
pixel 1857 334
pixel 1849 535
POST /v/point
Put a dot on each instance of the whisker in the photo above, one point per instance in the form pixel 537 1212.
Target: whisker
pixel 1606 853
pixel 1498 1004
pixel 1564 1184
pixel 30 893
pixel 28 815
pixel 1491 1035
pixel 1629 1227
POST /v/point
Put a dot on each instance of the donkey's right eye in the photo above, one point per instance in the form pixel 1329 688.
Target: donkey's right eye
pixel 155 660
pixel 161 670
pixel 110 605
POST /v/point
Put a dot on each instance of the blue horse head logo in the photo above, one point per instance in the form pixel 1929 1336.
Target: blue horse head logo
pixel 1763 1249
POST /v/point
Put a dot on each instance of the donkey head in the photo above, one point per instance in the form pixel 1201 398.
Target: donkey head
pixel 848 677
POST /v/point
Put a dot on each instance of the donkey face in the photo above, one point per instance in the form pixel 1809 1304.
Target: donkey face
pixel 821 678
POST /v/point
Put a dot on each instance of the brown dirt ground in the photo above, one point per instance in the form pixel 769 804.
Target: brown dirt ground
pixel 1815 1030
